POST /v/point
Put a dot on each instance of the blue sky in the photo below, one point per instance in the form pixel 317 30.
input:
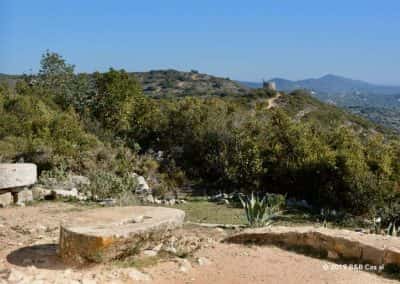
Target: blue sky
pixel 246 40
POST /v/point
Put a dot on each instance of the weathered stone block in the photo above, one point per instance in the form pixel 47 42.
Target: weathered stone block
pixel 17 175
pixel 6 199
pixel 103 234
pixel 347 249
pixel 332 255
pixel 392 256
pixel 372 255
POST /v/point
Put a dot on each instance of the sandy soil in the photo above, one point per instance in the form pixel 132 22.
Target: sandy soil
pixel 28 251
pixel 236 264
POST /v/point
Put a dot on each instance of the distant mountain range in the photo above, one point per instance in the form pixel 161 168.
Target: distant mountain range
pixel 331 84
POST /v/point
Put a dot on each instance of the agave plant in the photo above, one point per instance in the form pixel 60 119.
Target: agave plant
pixel 259 212
pixel 376 225
pixel 327 215
pixel 392 230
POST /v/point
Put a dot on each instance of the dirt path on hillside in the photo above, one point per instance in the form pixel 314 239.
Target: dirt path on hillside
pixel 28 254
pixel 272 101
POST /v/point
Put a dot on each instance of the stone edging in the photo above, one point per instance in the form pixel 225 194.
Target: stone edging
pixel 330 243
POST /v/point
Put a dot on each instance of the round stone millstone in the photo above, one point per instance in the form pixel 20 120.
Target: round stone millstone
pixel 103 234
pixel 17 175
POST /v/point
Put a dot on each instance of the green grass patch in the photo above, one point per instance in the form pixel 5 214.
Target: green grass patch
pixel 209 212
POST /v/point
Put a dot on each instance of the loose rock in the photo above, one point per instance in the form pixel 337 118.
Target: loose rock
pixel 6 199
pixel 184 265
pixel 203 261
pixel 23 196
pixel 40 193
pixel 61 193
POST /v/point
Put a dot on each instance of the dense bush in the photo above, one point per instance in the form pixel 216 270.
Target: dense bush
pixel 106 185
pixel 32 130
pixel 103 122
pixel 230 146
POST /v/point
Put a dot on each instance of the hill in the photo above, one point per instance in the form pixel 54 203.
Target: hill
pixel 300 104
pixel 377 103
pixel 161 83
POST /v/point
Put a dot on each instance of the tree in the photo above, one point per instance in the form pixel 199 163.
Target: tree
pixel 56 78
pixel 115 99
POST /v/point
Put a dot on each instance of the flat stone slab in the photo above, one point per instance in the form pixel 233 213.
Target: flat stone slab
pixel 17 175
pixel 331 243
pixel 103 234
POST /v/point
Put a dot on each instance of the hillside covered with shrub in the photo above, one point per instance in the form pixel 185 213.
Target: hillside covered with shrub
pixel 103 122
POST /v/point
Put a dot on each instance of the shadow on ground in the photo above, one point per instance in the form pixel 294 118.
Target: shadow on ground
pixel 41 256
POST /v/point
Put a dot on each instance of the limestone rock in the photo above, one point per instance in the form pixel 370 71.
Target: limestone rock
pixel 347 249
pixel 335 244
pixel 142 185
pixel 182 245
pixel 372 255
pixel 203 261
pixel 108 202
pixel 332 255
pixel 62 193
pixel 392 255
pixel 149 252
pixel 103 234
pixel 40 193
pixel 149 199
pixel 169 202
pixel 17 175
pixel 23 196
pixel 6 199
pixel 184 265
pixel 78 180
pixel 137 219
pixel 135 275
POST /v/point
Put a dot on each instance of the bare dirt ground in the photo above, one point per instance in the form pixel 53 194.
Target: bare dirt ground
pixel 28 254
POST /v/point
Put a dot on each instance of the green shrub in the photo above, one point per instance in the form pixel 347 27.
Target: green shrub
pixel 105 185
pixel 53 176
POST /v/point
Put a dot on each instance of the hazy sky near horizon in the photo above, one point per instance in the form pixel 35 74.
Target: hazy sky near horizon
pixel 243 40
